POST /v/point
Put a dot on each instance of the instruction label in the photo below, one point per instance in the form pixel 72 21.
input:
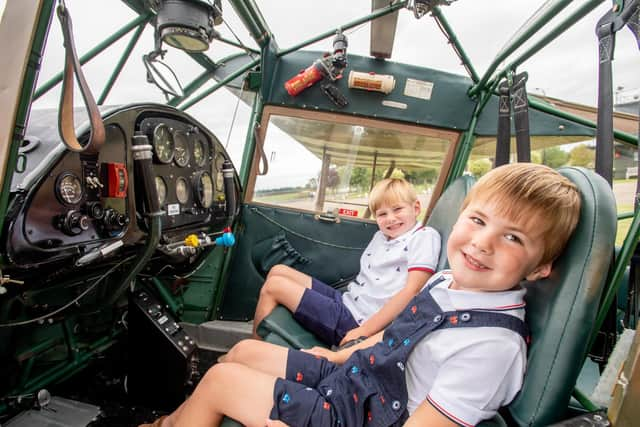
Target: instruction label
pixel 418 89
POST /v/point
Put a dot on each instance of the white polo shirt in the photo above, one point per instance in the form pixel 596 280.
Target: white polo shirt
pixel 385 265
pixel 468 373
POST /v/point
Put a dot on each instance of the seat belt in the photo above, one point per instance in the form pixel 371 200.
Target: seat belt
pixel 521 117
pixel 513 94
pixel 503 142
pixel 606 28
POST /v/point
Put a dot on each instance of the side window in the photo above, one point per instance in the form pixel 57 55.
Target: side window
pixel 579 152
pixel 327 163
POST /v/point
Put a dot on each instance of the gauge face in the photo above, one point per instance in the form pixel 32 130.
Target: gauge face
pixel 204 190
pixel 69 189
pixel 161 188
pixel 199 151
pixel 163 143
pixel 182 190
pixel 182 153
pixel 218 172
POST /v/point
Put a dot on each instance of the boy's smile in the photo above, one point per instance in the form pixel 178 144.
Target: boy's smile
pixel 396 219
pixel 489 252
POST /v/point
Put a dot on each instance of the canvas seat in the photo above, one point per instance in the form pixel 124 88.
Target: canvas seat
pixel 561 310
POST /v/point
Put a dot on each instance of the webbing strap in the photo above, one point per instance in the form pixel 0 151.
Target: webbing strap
pixel 72 66
pixel 503 142
pixel 521 117
pixel 606 30
pixel 515 94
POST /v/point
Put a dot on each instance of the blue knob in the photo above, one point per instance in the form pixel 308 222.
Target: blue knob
pixel 227 239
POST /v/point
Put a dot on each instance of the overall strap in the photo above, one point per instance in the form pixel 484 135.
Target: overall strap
pixel 435 282
pixel 478 318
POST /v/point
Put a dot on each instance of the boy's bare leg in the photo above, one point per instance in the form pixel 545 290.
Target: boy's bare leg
pixel 228 389
pixel 285 286
pixel 259 355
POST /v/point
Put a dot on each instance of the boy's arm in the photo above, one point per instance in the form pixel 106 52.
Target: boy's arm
pixel 415 281
pixel 427 415
pixel 341 356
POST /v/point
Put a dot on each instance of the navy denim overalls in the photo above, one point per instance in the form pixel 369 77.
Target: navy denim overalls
pixel 370 388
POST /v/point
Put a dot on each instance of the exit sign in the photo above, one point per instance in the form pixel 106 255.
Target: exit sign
pixel 347 212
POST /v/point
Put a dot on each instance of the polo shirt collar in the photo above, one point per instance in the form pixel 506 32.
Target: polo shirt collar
pixel 468 300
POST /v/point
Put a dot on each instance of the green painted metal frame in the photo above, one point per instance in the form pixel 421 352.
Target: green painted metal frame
pixel 28 86
pixel 455 43
pixel 534 27
pixel 136 22
pixel 120 64
pixel 380 12
pixel 576 16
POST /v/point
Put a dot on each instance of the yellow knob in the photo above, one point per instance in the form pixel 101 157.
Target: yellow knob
pixel 192 240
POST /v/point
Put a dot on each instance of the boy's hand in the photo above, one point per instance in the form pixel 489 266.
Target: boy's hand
pixel 353 334
pixel 331 356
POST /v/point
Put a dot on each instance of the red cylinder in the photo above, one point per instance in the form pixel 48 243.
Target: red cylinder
pixel 303 80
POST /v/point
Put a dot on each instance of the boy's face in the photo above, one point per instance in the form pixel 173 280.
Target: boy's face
pixel 397 218
pixel 489 252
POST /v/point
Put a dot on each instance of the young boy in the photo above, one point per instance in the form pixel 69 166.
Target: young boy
pixel 398 261
pixel 434 365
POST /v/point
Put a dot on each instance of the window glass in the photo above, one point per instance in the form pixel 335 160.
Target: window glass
pixel 550 152
pixel 326 163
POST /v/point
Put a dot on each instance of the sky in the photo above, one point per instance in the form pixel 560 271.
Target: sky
pixel 566 69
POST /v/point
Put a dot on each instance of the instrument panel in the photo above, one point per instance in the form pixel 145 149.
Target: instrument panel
pixel 188 173
pixel 66 205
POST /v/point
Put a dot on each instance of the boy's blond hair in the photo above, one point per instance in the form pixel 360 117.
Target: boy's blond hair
pixel 390 191
pixel 536 195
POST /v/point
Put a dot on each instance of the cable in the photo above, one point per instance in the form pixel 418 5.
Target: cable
pixel 70 303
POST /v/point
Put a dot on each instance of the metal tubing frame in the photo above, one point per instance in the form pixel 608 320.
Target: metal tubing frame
pixel 553 34
pixel 26 99
pixel 193 86
pixel 123 60
pixel 95 51
pixel 253 21
pixel 628 247
pixel 218 85
pixel 370 17
pixel 622 136
pixel 534 27
pixel 453 39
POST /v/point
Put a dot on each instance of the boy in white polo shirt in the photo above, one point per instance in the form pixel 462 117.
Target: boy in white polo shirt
pixel 454 355
pixel 398 261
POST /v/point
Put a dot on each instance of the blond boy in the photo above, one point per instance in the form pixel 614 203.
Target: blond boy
pixel 397 262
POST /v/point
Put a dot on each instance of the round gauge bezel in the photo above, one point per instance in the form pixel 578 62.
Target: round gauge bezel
pixel 200 140
pixel 199 190
pixel 187 191
pixel 58 191
pixel 218 182
pixel 156 141
pixel 166 189
pixel 181 136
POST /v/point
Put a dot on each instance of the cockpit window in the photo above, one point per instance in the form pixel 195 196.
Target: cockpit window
pixel 328 163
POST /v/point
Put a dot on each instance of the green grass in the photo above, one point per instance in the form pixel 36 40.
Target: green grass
pixel 623 225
